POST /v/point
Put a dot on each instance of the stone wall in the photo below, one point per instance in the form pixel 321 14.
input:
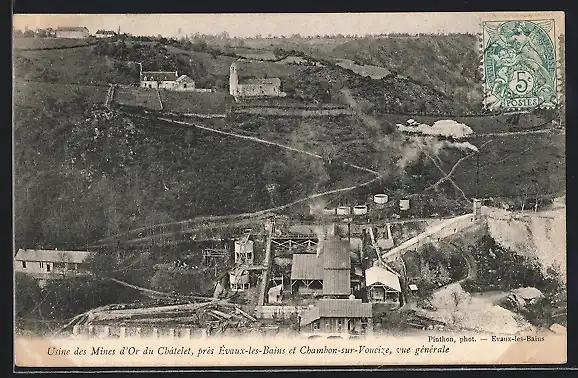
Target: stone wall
pixel 447 228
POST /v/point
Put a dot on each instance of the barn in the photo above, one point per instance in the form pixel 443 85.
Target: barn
pixel 77 32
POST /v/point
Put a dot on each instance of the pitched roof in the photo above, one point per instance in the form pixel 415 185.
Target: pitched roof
pixel 159 75
pixel 270 80
pixel 105 32
pixel 184 78
pixel 52 255
pixel 336 254
pixel 306 267
pixel 276 289
pixel 337 308
pixel 378 275
pixel 336 282
pixel 72 28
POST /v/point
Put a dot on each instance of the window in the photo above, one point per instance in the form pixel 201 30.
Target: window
pixel 41 264
pixel 59 265
pixel 316 326
pixel 23 264
pixel 48 267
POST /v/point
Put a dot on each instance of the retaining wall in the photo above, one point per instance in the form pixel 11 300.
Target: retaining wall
pixel 447 228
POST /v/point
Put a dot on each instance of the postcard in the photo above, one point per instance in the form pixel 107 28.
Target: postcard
pixel 289 190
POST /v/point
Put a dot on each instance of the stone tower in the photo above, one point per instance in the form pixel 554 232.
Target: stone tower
pixel 233 79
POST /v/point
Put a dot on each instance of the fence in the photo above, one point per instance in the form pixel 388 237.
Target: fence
pixel 112 332
pixel 287 112
pixel 280 312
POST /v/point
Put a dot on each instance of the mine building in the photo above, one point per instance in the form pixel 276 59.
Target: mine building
pixel 383 287
pixel 328 274
pixel 275 294
pixel 51 264
pixel 345 316
pixel 239 280
pixel 244 252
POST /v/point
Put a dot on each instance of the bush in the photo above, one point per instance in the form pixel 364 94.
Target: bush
pixel 27 294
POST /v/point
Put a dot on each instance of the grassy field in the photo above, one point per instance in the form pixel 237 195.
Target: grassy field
pixel 196 102
pixel 48 43
pixel 138 97
pixel 71 66
pixel 44 95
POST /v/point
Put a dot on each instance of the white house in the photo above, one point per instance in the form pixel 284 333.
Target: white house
pixel 80 32
pixel 104 34
pixel 158 79
pixel 383 286
pixel 51 264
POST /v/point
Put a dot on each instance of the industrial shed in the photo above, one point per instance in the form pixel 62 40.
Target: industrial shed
pixel 338 316
pixel 383 286
pixel 329 273
pixel 306 273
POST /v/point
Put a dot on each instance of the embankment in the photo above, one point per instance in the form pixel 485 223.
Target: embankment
pixel 540 235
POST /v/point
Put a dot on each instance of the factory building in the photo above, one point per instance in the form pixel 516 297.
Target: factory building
pixel 341 316
pixel 328 274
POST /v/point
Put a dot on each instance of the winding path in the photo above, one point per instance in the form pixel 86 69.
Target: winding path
pixel 191 225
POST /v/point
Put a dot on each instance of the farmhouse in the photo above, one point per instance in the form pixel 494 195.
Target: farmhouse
pixel 328 274
pixel 350 316
pixel 167 80
pixel 72 32
pixel 267 87
pixel 158 79
pixel 104 34
pixel 51 264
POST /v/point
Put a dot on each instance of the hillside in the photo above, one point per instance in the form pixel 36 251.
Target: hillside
pixel 115 62
pixel 447 63
pixel 89 172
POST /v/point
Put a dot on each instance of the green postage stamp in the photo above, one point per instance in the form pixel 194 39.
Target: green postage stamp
pixel 520 64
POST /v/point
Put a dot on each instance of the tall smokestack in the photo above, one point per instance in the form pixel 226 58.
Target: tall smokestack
pixel 477 173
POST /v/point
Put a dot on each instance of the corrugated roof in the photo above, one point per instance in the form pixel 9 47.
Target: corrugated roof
pixel 336 254
pixel 337 308
pixel 271 80
pixel 378 275
pixel 52 255
pixel 306 267
pixel 336 282
pixel 71 28
pixel 159 75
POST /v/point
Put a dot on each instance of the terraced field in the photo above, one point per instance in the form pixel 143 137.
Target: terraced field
pixel 196 102
pixel 137 97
